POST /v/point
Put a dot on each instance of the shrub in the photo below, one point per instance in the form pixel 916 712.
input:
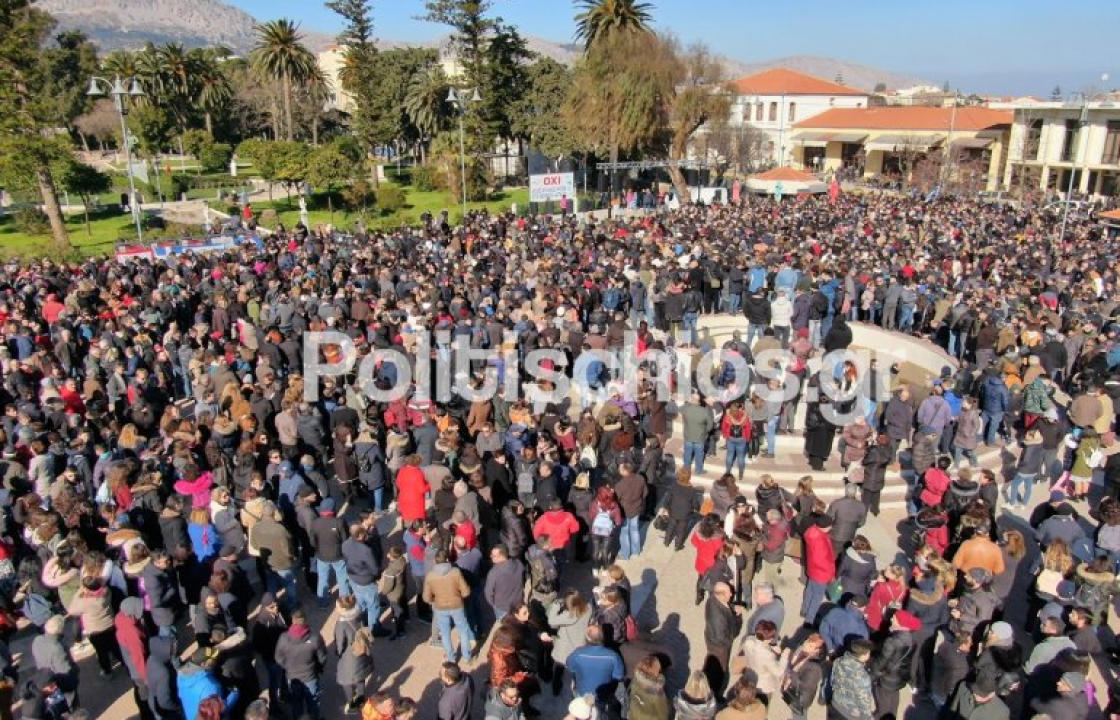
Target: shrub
pixel 214 157
pixel 359 195
pixel 390 199
pixel 32 221
pixel 423 178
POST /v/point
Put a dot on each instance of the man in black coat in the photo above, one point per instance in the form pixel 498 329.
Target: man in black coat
pixel 890 668
pixel 363 571
pixel 456 693
pixel 327 533
pixel 722 623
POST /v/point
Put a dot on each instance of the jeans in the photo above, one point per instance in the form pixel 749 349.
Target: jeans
pixel 630 538
pixel 688 325
pixel 694 455
pixel 277 686
pixel 781 332
pixel 369 599
pixel 772 433
pixel 992 422
pixel 1019 489
pixel 322 571
pixel 812 599
pixel 733 300
pixel 754 332
pixel 458 617
pixel 284 580
pixel 736 454
pixel 379 498
pixel 906 319
pixel 305 696
pixel 815 333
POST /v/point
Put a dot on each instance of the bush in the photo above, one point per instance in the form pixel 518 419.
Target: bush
pixel 423 178
pixel 32 221
pixel 390 199
pixel 214 157
pixel 359 195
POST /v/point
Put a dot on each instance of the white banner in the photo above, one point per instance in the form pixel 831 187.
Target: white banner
pixel 551 186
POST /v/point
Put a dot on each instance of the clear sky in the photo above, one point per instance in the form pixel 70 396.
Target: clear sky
pixel 978 45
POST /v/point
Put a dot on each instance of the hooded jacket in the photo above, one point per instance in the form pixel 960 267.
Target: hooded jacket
pixel 196 684
pixel 301 652
pixel 445 588
pixel 163 697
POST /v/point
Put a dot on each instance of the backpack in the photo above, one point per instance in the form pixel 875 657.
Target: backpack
pixel 603 524
pixel 543 575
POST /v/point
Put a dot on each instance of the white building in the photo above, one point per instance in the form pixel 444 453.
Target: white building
pixel 1052 139
pixel 772 101
pixel 331 62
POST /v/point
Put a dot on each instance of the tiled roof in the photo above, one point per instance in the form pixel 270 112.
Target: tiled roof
pixel 780 81
pixel 786 174
pixel 893 117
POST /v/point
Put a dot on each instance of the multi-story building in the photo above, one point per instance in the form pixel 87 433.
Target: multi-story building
pixel 771 102
pixel 1054 142
pixel 331 62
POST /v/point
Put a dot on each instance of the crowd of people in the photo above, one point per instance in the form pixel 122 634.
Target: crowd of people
pixel 174 503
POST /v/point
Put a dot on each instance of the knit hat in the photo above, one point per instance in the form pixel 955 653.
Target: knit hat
pixel 133 607
pixel 1001 632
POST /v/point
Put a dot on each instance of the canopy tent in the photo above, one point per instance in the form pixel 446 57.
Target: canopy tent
pixel 785 181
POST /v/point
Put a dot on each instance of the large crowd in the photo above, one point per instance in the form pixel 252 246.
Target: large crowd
pixel 173 503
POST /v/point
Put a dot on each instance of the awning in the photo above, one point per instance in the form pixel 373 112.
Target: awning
pixel 898 143
pixel 973 142
pixel 821 138
pixel 848 137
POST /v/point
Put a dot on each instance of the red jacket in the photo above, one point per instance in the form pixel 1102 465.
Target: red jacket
pixel 726 426
pixel 412 486
pixel 935 483
pixel 559 525
pixel 884 595
pixel 134 644
pixel 706 550
pixel 820 563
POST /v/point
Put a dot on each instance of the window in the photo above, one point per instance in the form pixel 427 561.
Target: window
pixel 1069 142
pixel 758 112
pixel 1111 154
pixel 792 111
pixel 773 112
pixel 1033 144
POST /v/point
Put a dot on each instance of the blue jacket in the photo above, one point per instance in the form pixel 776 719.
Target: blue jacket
pixel 757 279
pixel 994 397
pixel 195 685
pixel 841 625
pixel 596 669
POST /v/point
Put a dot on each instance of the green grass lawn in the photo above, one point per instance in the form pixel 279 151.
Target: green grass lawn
pixel 105 229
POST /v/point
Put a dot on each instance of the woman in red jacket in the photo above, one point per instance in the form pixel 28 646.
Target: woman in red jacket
pixel 736 430
pixel 707 540
pixel 820 566
pixel 887 595
pixel 412 491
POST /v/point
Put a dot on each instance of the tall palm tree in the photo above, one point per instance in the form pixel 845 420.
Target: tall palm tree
pixel 425 102
pixel 281 55
pixel 120 62
pixel 602 17
pixel 212 87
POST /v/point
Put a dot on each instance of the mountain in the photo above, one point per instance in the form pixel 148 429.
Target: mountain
pixel 113 24
pixel 852 74
pixel 129 24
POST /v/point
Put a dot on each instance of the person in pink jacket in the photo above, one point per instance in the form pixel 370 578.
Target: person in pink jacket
pixel 195 485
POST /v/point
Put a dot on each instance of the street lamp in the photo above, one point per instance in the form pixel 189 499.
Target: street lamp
pixel 1083 141
pixel 460 98
pixel 116 89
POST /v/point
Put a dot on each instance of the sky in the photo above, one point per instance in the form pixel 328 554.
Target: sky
pixel 1013 46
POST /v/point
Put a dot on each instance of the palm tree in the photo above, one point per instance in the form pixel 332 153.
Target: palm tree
pixel 425 102
pixel 602 17
pixel 211 85
pixel 120 62
pixel 281 55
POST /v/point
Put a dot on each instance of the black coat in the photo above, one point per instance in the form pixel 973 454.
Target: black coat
pixel 516 534
pixel 681 501
pixel 721 624
pixel 891 667
pixel 362 566
pixel 327 533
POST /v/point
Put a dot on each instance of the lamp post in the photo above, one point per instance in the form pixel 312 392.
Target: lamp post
pixel 1081 153
pixel 460 98
pixel 116 89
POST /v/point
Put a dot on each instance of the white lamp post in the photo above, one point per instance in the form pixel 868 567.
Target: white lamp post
pixel 116 89
pixel 460 98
